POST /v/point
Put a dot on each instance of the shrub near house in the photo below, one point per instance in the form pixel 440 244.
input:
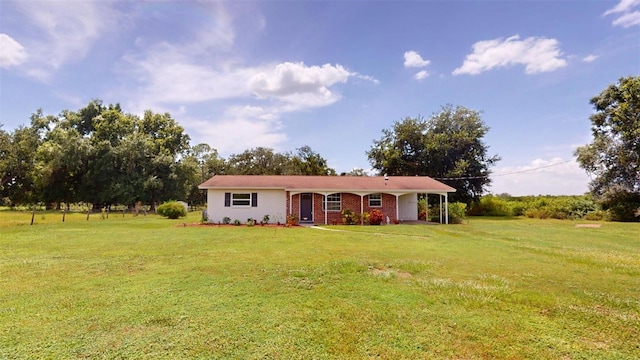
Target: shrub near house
pixel 376 217
pixel 172 210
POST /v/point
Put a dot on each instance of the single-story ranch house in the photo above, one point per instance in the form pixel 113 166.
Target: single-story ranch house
pixel 318 199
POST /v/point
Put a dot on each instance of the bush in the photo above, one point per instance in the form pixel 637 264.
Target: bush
pixel 457 212
pixel 237 222
pixel 422 209
pixel 542 207
pixel 376 217
pixel 293 220
pixel 366 217
pixel 491 206
pixel 597 215
pixel 349 217
pixel 226 220
pixel 172 210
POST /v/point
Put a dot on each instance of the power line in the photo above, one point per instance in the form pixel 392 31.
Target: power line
pixel 503 174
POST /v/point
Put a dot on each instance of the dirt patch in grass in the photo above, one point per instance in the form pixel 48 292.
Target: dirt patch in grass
pixel 390 273
pixel 595 226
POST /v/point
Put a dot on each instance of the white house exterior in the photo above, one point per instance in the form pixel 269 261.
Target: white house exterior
pixel 317 199
pixel 270 202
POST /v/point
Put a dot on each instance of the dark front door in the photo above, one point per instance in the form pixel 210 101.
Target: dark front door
pixel 306 207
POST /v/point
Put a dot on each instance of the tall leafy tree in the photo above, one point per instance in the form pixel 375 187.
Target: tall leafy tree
pixel 106 181
pixel 208 160
pixel 60 165
pixel 203 162
pixel 18 183
pixel 264 161
pixel 5 148
pixel 401 151
pixel 613 157
pixel 308 162
pixel 449 147
pixel 258 161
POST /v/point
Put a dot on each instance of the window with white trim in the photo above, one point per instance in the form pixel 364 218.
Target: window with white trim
pixel 241 199
pixel 331 202
pixel 375 200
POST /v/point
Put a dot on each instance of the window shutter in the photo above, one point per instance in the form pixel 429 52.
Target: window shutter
pixel 227 199
pixel 254 199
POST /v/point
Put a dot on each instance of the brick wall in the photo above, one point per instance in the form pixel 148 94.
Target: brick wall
pixel 349 201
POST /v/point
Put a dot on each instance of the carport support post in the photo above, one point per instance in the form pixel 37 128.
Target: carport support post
pixel 324 207
pixel 440 197
pixel 361 209
pixel 446 208
pixel 397 209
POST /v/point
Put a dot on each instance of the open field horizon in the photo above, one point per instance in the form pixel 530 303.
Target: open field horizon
pixel 146 287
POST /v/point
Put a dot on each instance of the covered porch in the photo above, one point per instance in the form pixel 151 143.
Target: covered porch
pixel 325 207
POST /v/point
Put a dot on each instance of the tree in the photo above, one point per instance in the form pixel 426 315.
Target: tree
pixel 401 151
pixel 355 172
pixel 613 157
pixel 18 183
pixel 60 165
pixel 257 161
pixel 309 162
pixel 264 161
pixel 448 147
pixel 203 161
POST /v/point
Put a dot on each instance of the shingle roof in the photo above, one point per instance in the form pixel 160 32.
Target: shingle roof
pixel 327 183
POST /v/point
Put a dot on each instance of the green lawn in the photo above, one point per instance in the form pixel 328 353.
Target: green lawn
pixel 145 287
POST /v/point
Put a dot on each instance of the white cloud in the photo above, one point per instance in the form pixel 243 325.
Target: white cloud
pixel 237 128
pixel 541 177
pixel 11 52
pixel 231 105
pixel 420 75
pixel 165 76
pixel 65 30
pixel 626 13
pixel 297 83
pixel 413 59
pixel 628 20
pixel 590 58
pixel 537 54
pixel 622 6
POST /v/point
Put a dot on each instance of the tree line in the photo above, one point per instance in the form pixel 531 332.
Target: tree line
pixel 102 156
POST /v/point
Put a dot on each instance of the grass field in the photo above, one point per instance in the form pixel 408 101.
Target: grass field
pixel 145 287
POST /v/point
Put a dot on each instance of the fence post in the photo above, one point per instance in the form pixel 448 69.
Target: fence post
pixel 33 214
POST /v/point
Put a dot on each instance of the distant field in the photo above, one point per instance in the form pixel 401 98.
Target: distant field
pixel 146 287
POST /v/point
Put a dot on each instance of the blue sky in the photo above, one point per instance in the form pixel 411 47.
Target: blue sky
pixel 331 74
